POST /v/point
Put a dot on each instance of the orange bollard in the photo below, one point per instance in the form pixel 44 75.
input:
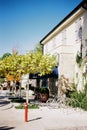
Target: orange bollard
pixel 26 112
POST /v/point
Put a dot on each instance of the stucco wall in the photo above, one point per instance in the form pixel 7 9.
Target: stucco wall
pixel 66 65
pixel 84 38
pixel 66 43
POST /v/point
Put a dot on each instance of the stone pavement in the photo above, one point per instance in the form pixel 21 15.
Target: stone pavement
pixel 41 119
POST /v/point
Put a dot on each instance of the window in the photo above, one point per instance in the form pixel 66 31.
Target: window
pixel 78 29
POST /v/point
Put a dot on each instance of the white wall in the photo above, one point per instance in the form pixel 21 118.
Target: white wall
pixel 67 43
pixel 84 38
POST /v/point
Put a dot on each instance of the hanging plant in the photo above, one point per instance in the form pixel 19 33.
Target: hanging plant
pixel 84 75
pixel 79 59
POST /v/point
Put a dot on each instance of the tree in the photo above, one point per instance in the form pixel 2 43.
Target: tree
pixel 6 55
pixel 32 62
pixel 1 58
pixel 38 48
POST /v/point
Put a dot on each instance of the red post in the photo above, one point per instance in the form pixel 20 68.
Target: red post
pixel 26 112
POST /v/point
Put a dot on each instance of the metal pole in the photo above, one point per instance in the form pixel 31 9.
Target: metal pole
pixel 26 112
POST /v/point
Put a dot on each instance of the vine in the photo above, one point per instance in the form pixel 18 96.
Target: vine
pixel 79 59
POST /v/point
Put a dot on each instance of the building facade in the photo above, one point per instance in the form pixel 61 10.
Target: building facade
pixel 67 40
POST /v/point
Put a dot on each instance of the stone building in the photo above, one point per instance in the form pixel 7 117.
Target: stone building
pixel 67 40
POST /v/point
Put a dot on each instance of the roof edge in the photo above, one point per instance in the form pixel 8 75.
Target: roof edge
pixel 69 15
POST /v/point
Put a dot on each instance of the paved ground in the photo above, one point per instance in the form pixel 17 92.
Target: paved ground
pixel 41 119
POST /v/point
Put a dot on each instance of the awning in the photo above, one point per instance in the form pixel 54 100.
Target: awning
pixel 54 74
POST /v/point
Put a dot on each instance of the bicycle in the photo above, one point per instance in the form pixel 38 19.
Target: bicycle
pixel 63 102
pixel 55 102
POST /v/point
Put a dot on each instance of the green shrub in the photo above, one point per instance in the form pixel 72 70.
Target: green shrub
pixel 80 98
pixel 84 103
pixel 33 106
pixel 17 100
pixel 30 106
pixel 85 88
pixel 44 90
pixel 21 106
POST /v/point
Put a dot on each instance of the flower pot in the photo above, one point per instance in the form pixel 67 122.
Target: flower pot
pixel 44 97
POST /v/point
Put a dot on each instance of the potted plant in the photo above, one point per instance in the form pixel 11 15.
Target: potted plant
pixel 44 94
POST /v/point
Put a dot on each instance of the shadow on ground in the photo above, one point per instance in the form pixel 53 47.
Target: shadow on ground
pixel 35 119
pixel 6 128
pixel 3 103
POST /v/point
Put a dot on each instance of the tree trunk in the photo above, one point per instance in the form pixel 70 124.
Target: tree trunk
pixel 27 92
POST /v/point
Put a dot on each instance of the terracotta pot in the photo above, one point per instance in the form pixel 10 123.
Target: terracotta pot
pixel 44 97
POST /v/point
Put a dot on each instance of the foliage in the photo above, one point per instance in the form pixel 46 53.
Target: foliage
pixel 2 80
pixel 84 103
pixel 47 64
pixel 77 95
pixel 30 106
pixel 32 62
pixel 81 97
pixel 38 48
pixel 85 88
pixel 44 90
pixel 6 55
pixel 74 87
pixel 20 106
pixel 41 90
pixel 33 106
pixel 17 100
pixel 16 65
pixel 86 60
pixel 79 59
pixel 9 66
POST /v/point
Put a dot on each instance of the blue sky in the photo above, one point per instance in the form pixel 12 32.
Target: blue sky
pixel 23 23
